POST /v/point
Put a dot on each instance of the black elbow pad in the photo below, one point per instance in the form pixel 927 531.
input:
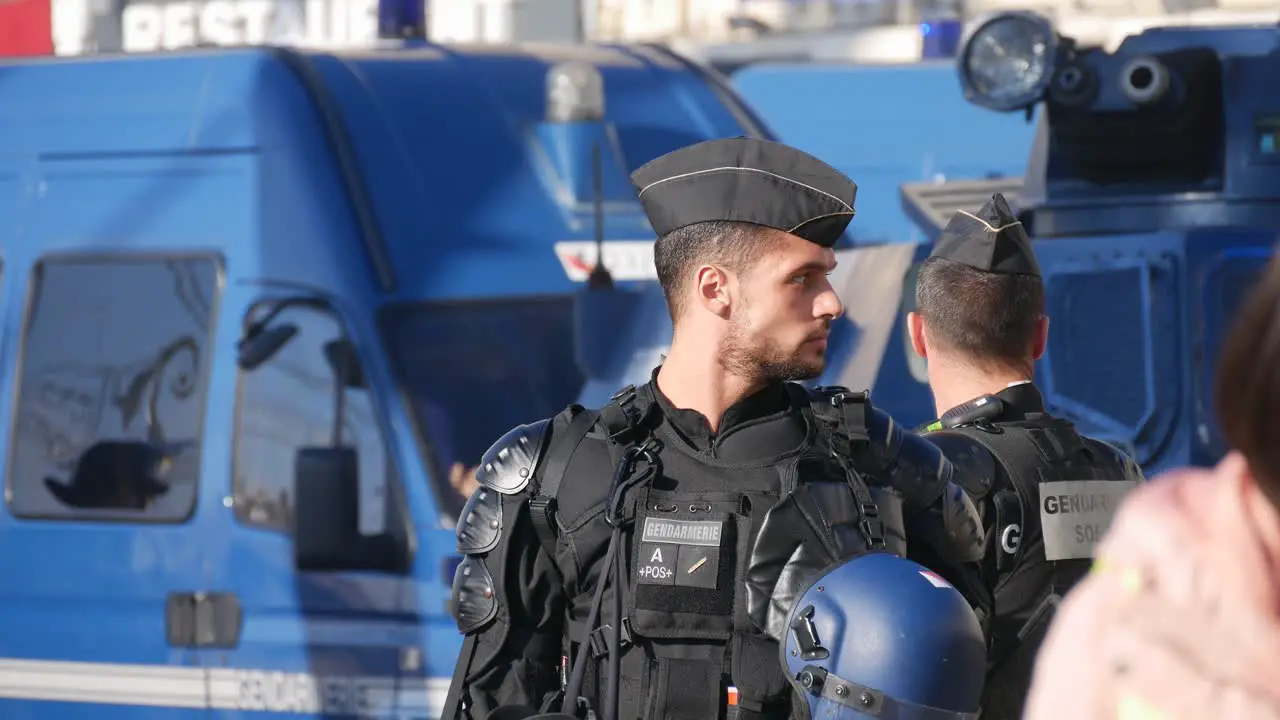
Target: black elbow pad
pixel 505 472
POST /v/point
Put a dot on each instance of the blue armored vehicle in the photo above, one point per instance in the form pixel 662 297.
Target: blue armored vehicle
pixel 883 126
pixel 1151 191
pixel 260 312
pixel 1151 195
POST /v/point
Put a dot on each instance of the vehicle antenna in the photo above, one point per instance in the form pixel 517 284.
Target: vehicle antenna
pixel 600 278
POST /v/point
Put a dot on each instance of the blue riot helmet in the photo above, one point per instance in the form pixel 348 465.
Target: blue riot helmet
pixel 882 637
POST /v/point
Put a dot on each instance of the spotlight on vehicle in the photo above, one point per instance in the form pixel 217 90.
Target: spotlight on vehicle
pixel 1008 60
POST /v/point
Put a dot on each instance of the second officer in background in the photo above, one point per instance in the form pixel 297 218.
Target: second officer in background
pixel 1047 493
pixel 641 559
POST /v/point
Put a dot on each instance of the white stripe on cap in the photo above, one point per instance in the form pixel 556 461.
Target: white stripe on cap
pixel 682 176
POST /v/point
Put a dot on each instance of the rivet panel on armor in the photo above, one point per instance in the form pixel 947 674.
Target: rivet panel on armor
pixel 508 465
pixel 474 602
pixel 1075 514
pixel 480 523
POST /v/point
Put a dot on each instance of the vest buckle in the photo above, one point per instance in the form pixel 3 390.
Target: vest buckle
pixel 598 641
pixel 985 425
pixel 848 397
pixel 873 531
pixel 871 525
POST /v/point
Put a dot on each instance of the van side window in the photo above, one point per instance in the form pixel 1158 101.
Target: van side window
pixel 473 370
pixel 111 390
pixel 290 398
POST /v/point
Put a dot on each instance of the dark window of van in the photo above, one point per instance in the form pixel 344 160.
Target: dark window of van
pixel 112 385
pixel 290 398
pixel 474 370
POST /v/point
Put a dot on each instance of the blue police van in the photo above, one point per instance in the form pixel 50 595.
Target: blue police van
pixel 258 307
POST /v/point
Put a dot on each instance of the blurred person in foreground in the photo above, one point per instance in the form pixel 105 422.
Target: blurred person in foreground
pixel 1180 617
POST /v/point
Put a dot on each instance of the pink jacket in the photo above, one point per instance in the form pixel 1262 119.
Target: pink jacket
pixel 1181 617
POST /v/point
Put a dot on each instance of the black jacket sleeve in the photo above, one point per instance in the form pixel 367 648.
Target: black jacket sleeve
pixel 508 597
pixel 936 508
pixel 517 657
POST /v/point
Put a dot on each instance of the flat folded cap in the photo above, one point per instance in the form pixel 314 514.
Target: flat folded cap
pixel 992 240
pixel 746 180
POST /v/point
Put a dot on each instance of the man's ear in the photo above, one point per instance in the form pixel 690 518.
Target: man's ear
pixel 1042 337
pixel 712 290
pixel 915 328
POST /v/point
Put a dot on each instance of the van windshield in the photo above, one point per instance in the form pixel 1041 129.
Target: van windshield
pixel 473 370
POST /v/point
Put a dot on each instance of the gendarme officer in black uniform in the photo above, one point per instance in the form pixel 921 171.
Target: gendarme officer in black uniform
pixel 644 556
pixel 980 323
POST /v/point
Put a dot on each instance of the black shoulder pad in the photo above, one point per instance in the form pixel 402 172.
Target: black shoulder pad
pixel 473 603
pixel 975 467
pixel 480 524
pixel 508 465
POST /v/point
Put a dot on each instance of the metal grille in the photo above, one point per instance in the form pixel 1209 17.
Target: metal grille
pixel 1096 341
pixel 935 203
pixel 1225 290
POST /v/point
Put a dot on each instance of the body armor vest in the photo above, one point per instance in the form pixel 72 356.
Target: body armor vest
pixel 688 648
pixel 1054 502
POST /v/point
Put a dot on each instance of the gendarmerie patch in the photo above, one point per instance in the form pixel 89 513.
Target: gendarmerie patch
pixel 1074 515
pixel 682 532
pixel 682 553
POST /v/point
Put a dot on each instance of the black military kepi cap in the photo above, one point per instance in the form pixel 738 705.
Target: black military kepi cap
pixel 746 180
pixel 991 240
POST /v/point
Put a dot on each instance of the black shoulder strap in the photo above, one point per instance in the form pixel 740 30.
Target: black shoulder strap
pixel 454 702
pixel 842 417
pixel 1016 451
pixel 1030 452
pixel 542 507
pixel 842 411
pixel 622 418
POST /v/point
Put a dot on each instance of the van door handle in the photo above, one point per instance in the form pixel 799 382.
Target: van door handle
pixel 203 620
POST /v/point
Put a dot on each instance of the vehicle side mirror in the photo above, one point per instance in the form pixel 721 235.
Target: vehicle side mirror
pixel 259 347
pixel 326 521
pixel 345 363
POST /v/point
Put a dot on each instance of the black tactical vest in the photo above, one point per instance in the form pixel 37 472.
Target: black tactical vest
pixel 1047 503
pixel 688 648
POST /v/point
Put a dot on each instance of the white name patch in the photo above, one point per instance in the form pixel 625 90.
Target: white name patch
pixel 1075 514
pixel 705 533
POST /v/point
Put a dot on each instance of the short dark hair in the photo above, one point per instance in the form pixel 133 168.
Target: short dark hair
pixel 1248 383
pixel 990 318
pixel 735 245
